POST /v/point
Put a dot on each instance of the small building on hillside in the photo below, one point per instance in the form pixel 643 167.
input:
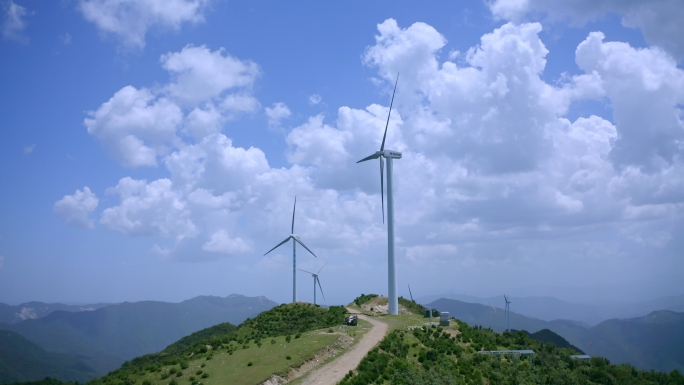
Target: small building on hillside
pixel 444 318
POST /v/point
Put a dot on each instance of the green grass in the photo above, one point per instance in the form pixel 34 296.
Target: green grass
pixel 267 360
pixel 225 368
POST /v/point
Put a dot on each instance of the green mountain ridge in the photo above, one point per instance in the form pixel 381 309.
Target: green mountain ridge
pixel 22 360
pixel 649 342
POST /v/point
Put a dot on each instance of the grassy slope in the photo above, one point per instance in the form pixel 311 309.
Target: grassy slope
pixel 235 345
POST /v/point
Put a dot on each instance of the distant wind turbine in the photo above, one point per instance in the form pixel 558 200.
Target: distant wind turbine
pixel 508 312
pixel 393 301
pixel 295 240
pixel 315 279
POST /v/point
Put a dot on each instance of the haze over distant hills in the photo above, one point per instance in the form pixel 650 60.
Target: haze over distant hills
pixel 653 341
pixel 31 310
pixel 21 360
pixel 550 308
pixel 108 336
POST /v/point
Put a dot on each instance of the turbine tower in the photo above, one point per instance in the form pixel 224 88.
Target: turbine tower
pixel 508 312
pixel 315 277
pixel 295 241
pixel 389 155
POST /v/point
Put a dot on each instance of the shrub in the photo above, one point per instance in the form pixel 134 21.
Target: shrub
pixel 288 339
pixel 249 363
pixel 179 374
pixel 363 298
pixel 273 342
pixel 173 382
pixel 298 335
pixel 205 375
pixel 203 365
pixel 288 358
pixel 330 330
pixel 147 382
pixel 198 372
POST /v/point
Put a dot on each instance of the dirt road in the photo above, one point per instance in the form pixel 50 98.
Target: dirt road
pixel 334 371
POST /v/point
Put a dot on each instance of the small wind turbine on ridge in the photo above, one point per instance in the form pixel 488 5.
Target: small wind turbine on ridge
pixel 315 279
pixel 295 240
pixel 393 301
pixel 508 312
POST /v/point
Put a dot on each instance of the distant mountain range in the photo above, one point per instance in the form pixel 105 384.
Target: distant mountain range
pixel 653 341
pixel 550 308
pixel 31 310
pixel 106 337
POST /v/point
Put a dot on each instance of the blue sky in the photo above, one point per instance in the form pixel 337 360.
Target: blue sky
pixel 154 152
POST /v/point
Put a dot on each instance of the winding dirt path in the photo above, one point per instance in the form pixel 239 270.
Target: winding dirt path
pixel 334 371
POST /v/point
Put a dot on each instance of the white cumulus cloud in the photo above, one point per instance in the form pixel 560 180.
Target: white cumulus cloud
pixel 149 209
pixel 278 112
pixel 14 21
pixel 659 20
pixel 221 242
pixel 76 208
pixel 139 125
pixel 129 20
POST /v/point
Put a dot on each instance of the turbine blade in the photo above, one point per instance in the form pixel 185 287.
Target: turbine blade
pixel 293 213
pixel 301 243
pixel 369 157
pixel 319 286
pixel 306 271
pixel 411 294
pixel 382 146
pixel 326 262
pixel 382 188
pixel 286 239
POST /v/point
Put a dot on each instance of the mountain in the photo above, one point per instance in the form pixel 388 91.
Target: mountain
pixel 22 360
pixel 108 336
pixel 550 308
pixel 547 336
pixel 649 342
pixel 10 314
pixel 654 341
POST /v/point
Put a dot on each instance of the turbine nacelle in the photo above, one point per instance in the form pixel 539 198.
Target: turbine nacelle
pixel 385 154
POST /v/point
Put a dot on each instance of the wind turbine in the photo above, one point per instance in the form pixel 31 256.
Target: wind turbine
pixel 295 241
pixel 411 294
pixel 389 155
pixel 315 277
pixel 508 312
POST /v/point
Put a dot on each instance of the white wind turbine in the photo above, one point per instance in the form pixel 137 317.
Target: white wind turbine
pixel 508 312
pixel 295 240
pixel 315 279
pixel 389 155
